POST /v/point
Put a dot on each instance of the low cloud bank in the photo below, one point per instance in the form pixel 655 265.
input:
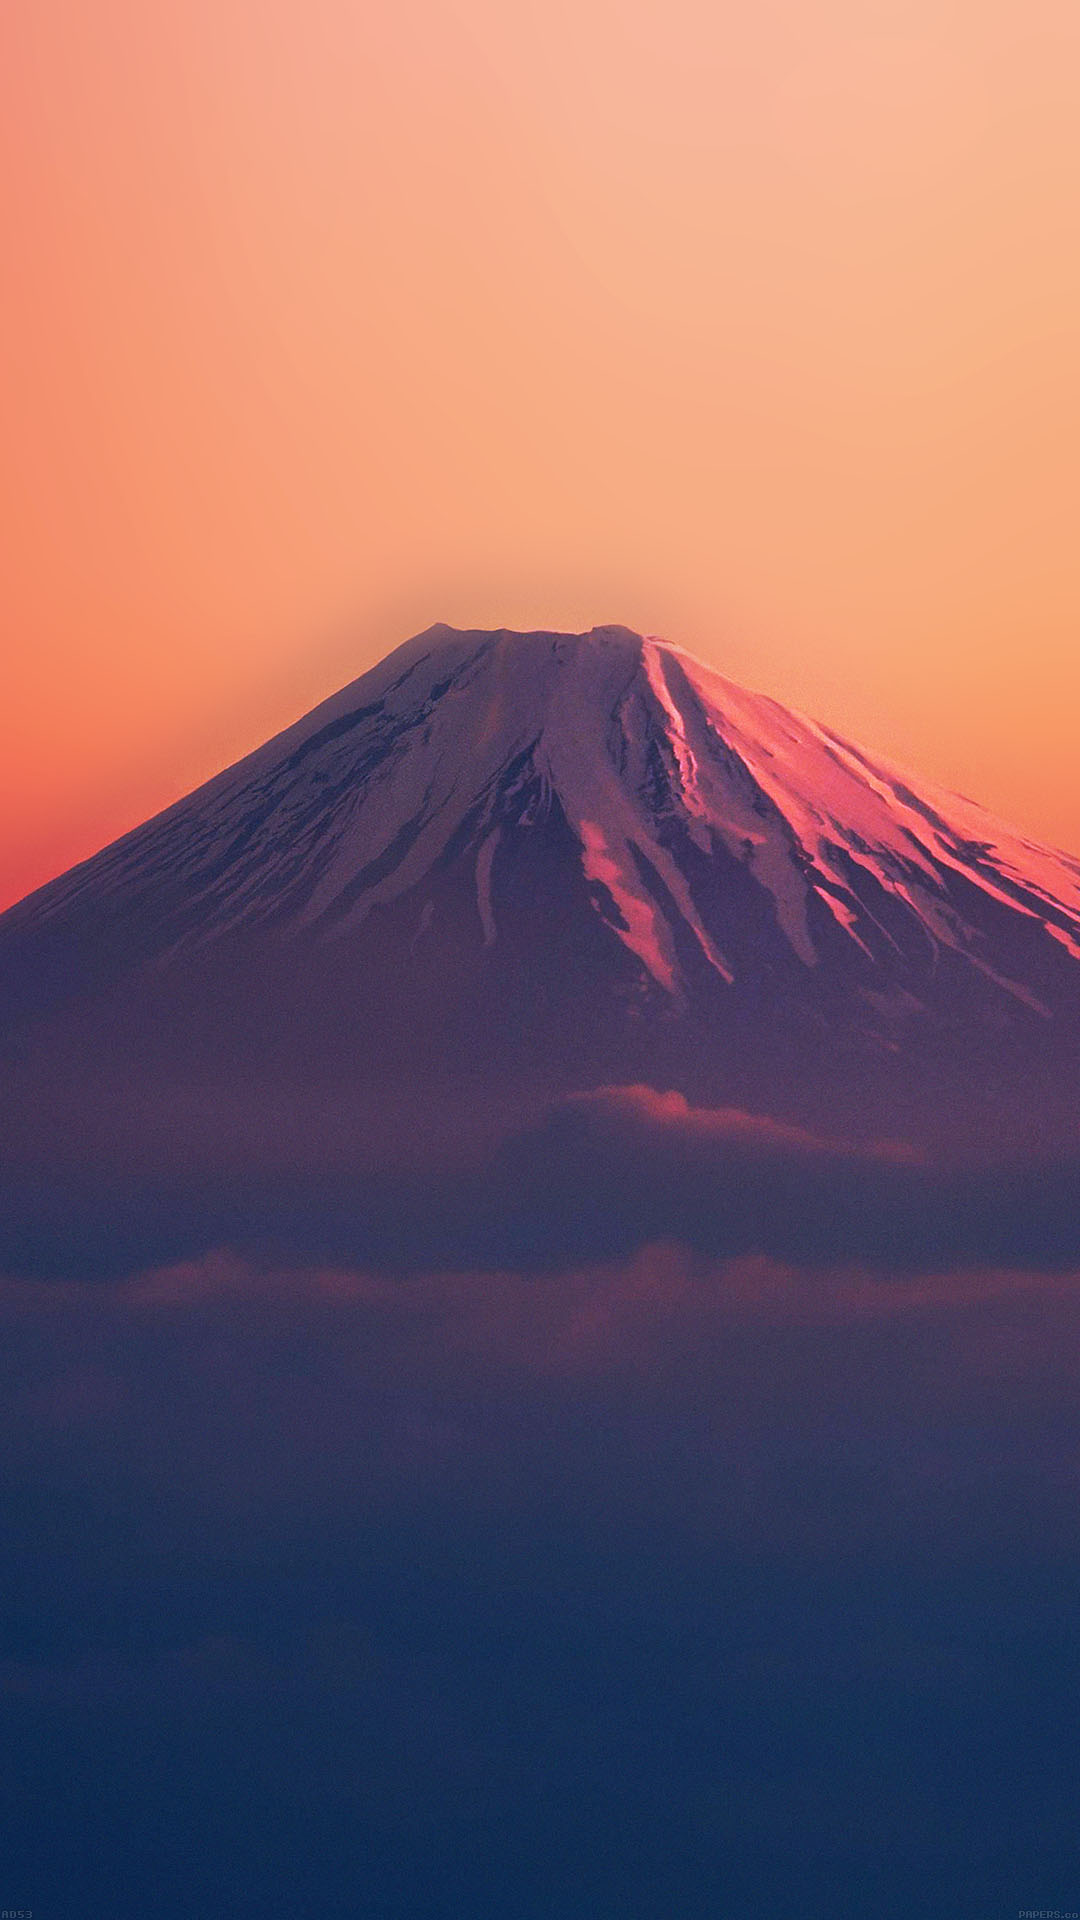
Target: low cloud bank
pixel 594 1177
pixel 319 1580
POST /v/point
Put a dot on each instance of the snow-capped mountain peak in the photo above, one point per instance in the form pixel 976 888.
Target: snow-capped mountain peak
pixel 671 780
pixel 501 860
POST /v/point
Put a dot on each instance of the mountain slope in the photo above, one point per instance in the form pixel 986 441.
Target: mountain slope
pixel 578 856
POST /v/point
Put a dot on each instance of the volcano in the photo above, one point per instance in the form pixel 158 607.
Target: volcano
pixel 503 866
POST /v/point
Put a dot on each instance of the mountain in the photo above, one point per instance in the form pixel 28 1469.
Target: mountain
pixel 508 865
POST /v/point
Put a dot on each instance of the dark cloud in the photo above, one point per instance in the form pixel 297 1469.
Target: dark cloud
pixel 660 1588
pixel 228 1394
pixel 593 1177
pixel 627 1166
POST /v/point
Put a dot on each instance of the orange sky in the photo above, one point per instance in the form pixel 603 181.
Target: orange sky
pixel 753 325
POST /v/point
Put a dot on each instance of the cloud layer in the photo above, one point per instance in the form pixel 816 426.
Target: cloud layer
pixel 666 1579
pixel 594 1177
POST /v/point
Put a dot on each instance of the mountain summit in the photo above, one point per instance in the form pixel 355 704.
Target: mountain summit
pixel 543 857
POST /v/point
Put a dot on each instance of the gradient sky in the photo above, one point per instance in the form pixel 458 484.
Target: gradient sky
pixel 754 326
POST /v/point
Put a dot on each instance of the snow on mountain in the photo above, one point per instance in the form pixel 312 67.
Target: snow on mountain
pixel 673 782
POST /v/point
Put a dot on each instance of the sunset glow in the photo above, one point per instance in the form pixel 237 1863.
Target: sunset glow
pixel 750 326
